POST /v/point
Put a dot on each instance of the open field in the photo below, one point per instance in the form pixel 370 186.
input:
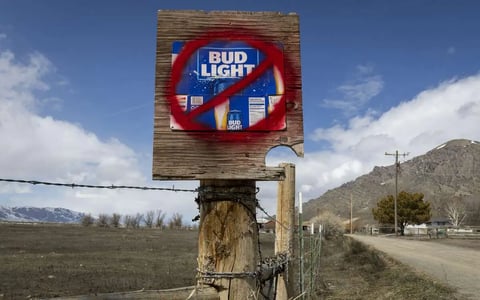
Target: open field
pixel 50 260
pixel 62 260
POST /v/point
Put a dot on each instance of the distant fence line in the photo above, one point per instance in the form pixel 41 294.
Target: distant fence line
pixel 429 231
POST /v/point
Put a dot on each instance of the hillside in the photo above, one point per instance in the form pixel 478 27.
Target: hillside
pixel 35 214
pixel 449 170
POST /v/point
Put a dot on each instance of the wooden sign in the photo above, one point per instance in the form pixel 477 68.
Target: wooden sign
pixel 227 90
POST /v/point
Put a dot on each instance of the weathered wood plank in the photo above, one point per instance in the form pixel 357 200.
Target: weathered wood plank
pixel 203 155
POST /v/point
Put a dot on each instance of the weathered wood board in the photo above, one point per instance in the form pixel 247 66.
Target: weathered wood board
pixel 194 155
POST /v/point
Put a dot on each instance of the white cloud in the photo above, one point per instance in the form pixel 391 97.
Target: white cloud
pixel 44 148
pixel 357 92
pixel 47 149
pixel 449 111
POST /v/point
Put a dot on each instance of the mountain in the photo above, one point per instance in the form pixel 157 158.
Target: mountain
pixel 35 214
pixel 449 170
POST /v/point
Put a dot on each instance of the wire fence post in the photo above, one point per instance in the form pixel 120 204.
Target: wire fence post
pixel 284 232
pixel 312 261
pixel 301 242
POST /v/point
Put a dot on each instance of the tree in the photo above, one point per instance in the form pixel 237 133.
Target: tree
pixel 133 221
pixel 138 220
pixel 102 220
pixel 176 221
pixel 332 225
pixel 87 220
pixel 160 221
pixel 456 210
pixel 149 217
pixel 115 220
pixel 411 209
pixel 129 221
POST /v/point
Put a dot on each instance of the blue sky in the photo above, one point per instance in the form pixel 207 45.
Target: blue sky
pixel 77 82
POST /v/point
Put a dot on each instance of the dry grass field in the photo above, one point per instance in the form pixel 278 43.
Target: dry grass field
pixel 51 260
pixel 351 270
pixel 42 261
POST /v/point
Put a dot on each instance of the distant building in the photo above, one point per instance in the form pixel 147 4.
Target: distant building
pixel 438 221
pixel 266 225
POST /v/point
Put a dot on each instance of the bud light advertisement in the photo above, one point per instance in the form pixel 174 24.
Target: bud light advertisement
pixel 219 65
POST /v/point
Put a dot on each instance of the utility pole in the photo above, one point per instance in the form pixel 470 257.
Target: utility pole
pixel 397 169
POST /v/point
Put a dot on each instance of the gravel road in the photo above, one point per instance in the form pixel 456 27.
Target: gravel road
pixel 456 266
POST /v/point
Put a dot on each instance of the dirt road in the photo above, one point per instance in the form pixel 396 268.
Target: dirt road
pixel 455 266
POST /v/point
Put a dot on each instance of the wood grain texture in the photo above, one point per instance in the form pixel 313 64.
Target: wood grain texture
pixel 284 234
pixel 180 155
pixel 228 236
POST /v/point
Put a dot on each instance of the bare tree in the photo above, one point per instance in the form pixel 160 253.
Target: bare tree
pixel 102 220
pixel 176 221
pixel 332 225
pixel 87 220
pixel 160 220
pixel 138 220
pixel 115 220
pixel 129 221
pixel 456 210
pixel 149 217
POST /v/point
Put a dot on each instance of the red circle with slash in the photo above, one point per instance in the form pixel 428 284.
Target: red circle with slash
pixel 273 58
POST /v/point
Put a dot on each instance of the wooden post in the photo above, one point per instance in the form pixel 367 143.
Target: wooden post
pixel 301 245
pixel 284 229
pixel 228 244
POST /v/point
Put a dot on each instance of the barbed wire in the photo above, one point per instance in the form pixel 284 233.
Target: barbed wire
pixel 91 186
pixel 270 216
pixel 143 188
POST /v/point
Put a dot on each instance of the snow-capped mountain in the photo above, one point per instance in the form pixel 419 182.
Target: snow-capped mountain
pixel 36 214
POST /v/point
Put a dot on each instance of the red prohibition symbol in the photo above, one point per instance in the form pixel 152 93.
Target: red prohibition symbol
pixel 273 58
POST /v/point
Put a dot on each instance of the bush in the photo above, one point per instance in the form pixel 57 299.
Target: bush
pixel 176 221
pixel 149 217
pixel 160 221
pixel 87 220
pixel 115 220
pixel 331 224
pixel 102 220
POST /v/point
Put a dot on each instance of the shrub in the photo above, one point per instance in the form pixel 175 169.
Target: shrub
pixel 115 220
pixel 102 220
pixel 87 220
pixel 332 225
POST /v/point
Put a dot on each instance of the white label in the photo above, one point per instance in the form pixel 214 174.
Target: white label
pixel 196 100
pixel 256 110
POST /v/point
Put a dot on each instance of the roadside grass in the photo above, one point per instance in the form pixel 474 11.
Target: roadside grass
pixel 351 270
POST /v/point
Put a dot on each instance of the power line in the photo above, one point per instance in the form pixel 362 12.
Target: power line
pixel 90 186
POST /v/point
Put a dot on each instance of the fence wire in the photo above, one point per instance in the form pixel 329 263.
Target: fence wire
pixel 91 186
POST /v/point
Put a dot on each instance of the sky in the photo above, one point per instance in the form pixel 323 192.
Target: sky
pixel 77 94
